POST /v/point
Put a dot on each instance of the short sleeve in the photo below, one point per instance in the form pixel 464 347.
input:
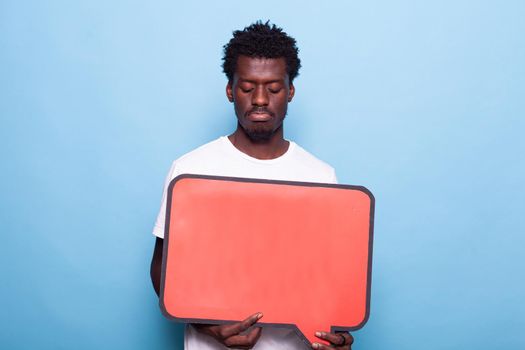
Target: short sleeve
pixel 334 177
pixel 158 229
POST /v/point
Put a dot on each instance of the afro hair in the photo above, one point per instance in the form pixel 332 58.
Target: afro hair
pixel 261 40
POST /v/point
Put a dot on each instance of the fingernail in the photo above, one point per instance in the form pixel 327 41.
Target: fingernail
pixel 318 334
pixel 259 315
pixel 315 345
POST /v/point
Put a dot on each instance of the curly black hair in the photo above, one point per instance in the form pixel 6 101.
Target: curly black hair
pixel 261 40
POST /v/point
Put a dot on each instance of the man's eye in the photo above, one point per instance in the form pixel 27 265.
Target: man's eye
pixel 246 87
pixel 274 91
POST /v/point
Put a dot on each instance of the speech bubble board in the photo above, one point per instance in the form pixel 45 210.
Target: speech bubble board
pixel 298 252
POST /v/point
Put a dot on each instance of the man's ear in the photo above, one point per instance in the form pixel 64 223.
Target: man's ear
pixel 291 93
pixel 229 91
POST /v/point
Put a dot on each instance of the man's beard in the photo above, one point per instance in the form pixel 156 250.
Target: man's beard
pixel 260 134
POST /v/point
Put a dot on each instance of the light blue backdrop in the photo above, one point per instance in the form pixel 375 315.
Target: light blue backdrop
pixel 420 101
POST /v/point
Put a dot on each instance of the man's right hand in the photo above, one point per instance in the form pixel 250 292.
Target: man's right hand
pixel 230 334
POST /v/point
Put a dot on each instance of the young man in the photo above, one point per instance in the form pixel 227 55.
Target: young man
pixel 260 63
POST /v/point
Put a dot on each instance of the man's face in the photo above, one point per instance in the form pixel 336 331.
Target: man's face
pixel 260 91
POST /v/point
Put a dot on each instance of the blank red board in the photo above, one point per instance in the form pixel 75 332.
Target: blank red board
pixel 298 252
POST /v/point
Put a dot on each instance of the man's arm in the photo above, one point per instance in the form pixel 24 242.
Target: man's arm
pixel 156 265
pixel 229 334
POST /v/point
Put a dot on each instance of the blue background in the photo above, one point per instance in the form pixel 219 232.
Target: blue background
pixel 420 101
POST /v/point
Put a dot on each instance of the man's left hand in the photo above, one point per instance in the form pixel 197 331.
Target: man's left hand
pixel 337 341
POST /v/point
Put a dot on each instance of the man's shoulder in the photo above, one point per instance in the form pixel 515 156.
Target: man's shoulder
pixel 314 164
pixel 207 150
pixel 307 157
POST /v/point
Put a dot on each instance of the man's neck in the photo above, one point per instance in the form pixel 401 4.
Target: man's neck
pixel 272 148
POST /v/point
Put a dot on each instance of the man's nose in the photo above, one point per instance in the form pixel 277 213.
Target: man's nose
pixel 260 96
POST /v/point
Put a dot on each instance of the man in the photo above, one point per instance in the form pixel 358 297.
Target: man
pixel 260 63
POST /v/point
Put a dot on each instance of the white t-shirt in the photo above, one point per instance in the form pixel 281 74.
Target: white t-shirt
pixel 221 158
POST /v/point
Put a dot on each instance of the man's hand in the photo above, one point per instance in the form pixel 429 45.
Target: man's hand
pixel 336 340
pixel 230 334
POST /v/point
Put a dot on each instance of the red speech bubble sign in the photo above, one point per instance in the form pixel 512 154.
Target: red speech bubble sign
pixel 300 253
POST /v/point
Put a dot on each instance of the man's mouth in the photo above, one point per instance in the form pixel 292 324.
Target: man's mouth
pixel 259 117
